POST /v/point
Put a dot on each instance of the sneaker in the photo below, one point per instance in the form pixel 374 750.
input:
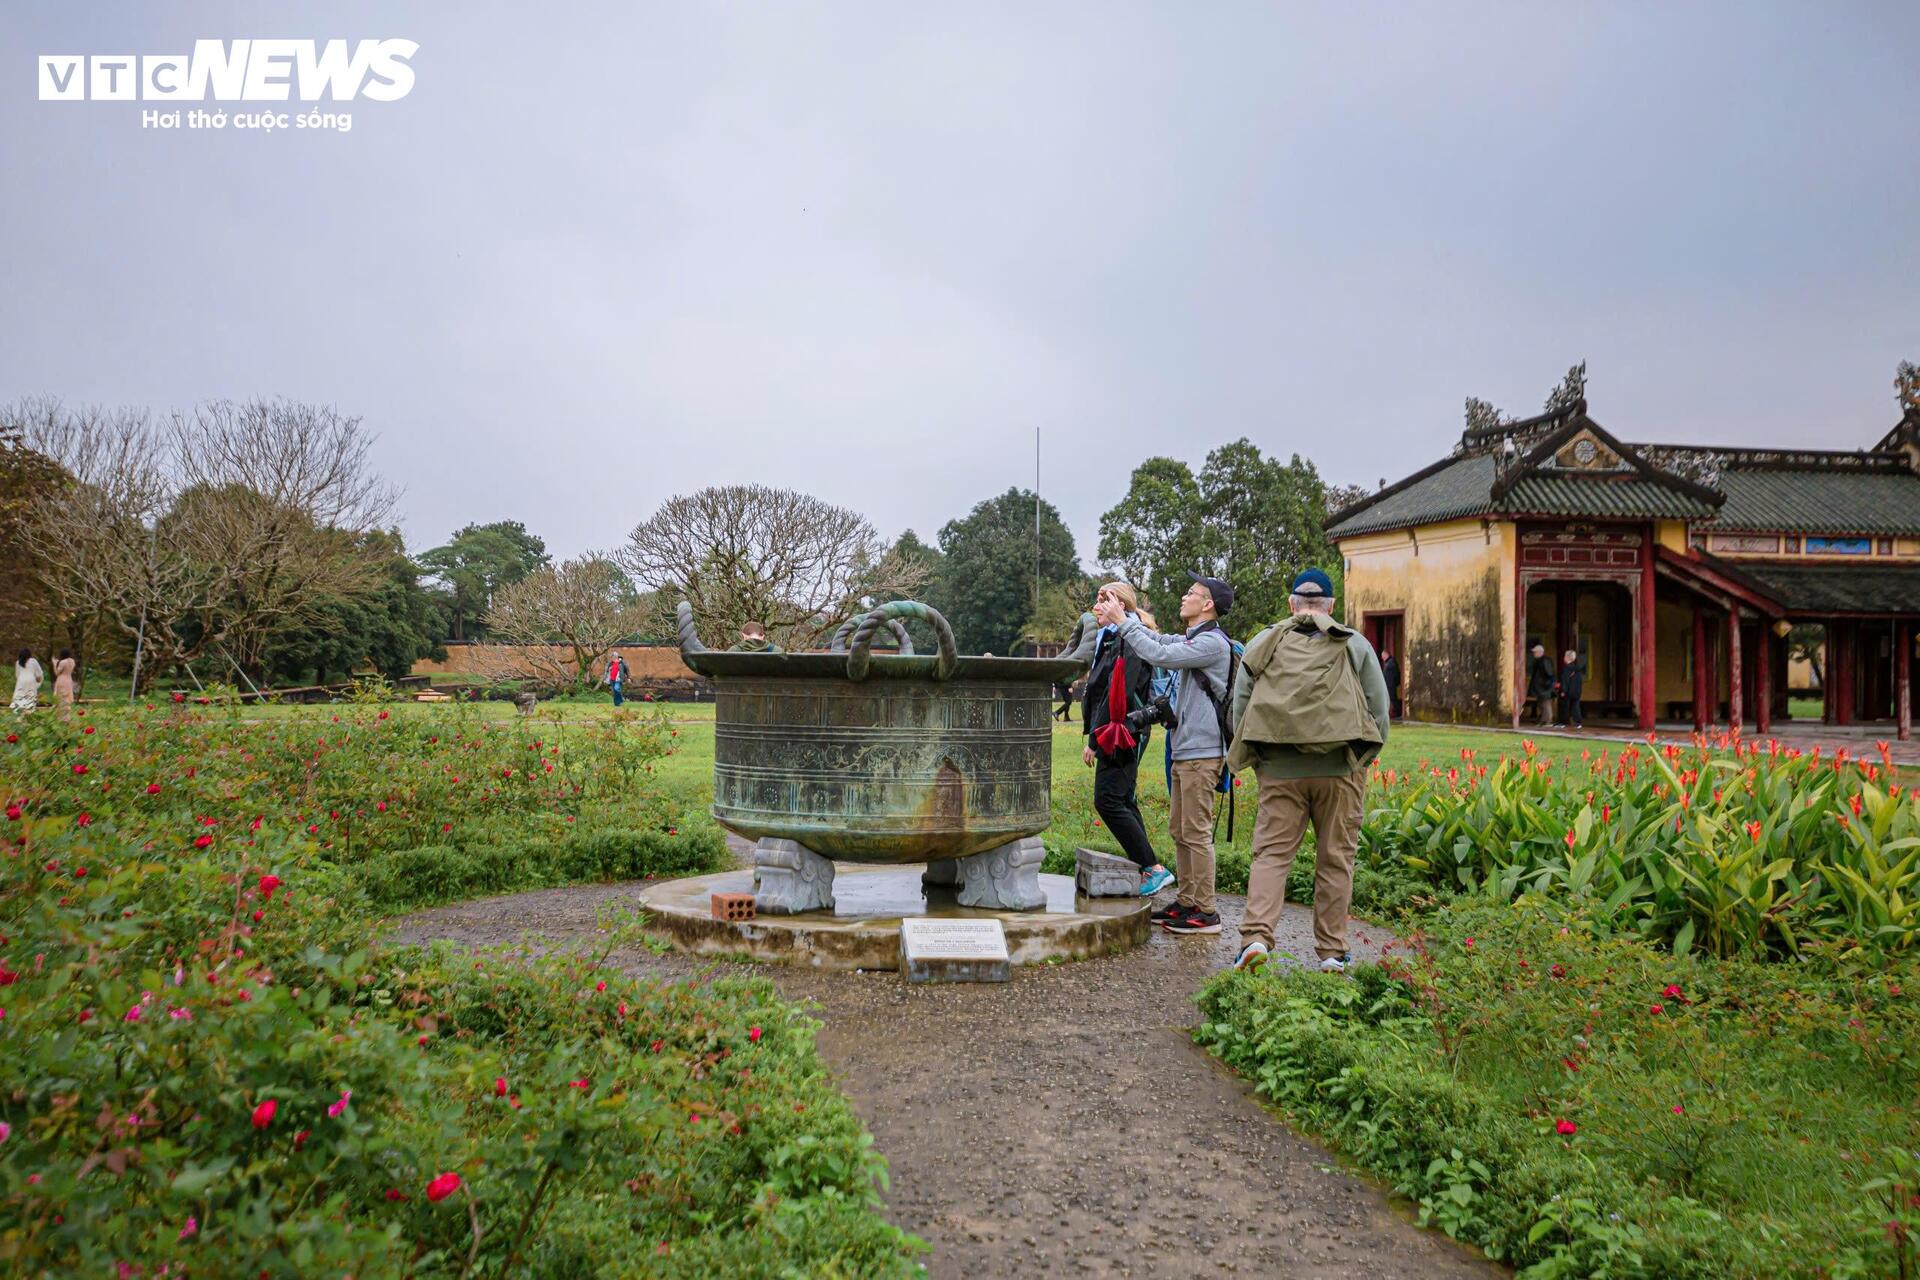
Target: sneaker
pixel 1168 912
pixel 1252 956
pixel 1154 881
pixel 1195 921
pixel 1337 964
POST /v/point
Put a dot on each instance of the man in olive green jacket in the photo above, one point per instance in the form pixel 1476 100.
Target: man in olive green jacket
pixel 1298 787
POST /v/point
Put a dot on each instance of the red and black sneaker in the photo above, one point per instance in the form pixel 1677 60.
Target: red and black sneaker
pixel 1194 921
pixel 1171 911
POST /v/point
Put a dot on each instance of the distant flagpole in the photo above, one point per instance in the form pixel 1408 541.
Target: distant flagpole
pixel 1036 527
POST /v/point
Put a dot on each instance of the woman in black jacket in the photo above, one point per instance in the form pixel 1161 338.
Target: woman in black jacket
pixel 1113 748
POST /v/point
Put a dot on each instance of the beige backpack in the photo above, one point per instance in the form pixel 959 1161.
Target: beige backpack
pixel 1305 694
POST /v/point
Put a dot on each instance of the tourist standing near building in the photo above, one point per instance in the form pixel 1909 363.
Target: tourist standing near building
pixel 63 680
pixel 1573 681
pixel 1118 686
pixel 1201 661
pixel 1541 684
pixel 617 676
pixel 27 675
pixel 1309 716
pixel 1390 669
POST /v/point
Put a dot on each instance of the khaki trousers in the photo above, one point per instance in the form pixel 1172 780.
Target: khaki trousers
pixel 1287 805
pixel 1191 801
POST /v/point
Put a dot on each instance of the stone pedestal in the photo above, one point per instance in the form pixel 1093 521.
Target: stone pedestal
pixel 789 878
pixel 1004 879
pixel 1101 875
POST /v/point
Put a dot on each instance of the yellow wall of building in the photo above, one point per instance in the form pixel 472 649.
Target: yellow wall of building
pixel 1453 583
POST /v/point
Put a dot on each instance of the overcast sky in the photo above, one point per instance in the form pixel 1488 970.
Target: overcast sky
pixel 864 250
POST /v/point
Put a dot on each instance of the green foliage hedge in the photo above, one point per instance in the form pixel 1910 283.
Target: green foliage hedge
pixel 209 1072
pixel 1580 1106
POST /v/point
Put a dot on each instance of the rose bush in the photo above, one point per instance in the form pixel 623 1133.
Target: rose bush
pixel 418 806
pixel 209 1071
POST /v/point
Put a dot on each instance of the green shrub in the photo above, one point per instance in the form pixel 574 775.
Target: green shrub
pixel 205 1074
pixel 1728 1118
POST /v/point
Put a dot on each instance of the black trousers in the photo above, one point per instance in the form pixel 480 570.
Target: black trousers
pixel 1570 713
pixel 1114 785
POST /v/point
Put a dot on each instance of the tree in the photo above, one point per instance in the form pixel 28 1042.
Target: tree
pixel 986 587
pixel 476 562
pixel 752 553
pixel 389 628
pixel 1906 385
pixel 211 531
pixel 1152 536
pixel 585 606
pixel 29 595
pixel 1253 520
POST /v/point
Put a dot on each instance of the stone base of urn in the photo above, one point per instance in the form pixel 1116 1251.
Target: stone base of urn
pixel 789 878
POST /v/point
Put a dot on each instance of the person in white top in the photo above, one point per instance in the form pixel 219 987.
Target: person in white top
pixel 26 681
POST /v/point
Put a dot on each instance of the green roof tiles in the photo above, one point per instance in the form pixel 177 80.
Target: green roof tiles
pixel 1829 588
pixel 1836 501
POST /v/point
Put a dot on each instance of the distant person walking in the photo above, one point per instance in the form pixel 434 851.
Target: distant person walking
pixel 617 677
pixel 1309 716
pixel 1573 681
pixel 27 674
pixel 1541 685
pixel 63 680
pixel 1390 669
pixel 1063 690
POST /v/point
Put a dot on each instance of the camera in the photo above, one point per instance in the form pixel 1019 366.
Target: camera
pixel 1157 711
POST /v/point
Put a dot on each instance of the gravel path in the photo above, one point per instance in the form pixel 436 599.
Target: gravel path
pixel 1061 1122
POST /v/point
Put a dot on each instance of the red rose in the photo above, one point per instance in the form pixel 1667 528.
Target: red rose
pixel 753 1034
pixel 1566 1128
pixel 202 842
pixel 153 788
pixel 263 1114
pixel 500 1087
pixel 395 1193
pixel 267 885
pixel 442 1187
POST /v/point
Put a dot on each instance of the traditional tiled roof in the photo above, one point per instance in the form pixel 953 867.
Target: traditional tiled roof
pixel 1794 500
pixel 1514 469
pixel 1491 481
pixel 1828 588
pixel 1609 497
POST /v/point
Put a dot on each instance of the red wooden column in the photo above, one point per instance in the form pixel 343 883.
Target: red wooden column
pixel 1846 642
pixel 1519 638
pixel 1903 677
pixel 1733 668
pixel 1702 695
pixel 1643 648
pixel 1565 621
pixel 1829 702
pixel 1763 677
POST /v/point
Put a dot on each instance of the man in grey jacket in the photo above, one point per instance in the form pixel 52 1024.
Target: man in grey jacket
pixel 1202 659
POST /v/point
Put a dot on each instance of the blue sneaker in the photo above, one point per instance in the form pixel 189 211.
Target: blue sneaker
pixel 1154 881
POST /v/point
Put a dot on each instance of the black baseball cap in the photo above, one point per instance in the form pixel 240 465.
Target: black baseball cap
pixel 1217 587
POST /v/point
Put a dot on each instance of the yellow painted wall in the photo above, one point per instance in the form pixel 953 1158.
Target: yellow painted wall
pixel 1671 534
pixel 1453 582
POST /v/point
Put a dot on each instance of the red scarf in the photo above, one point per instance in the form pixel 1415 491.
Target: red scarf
pixel 1114 736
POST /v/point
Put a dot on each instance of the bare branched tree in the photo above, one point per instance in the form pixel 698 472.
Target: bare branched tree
pixel 204 532
pixel 752 553
pixel 568 617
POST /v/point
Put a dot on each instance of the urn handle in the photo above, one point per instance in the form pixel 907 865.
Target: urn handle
pixel 838 644
pixel 860 648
